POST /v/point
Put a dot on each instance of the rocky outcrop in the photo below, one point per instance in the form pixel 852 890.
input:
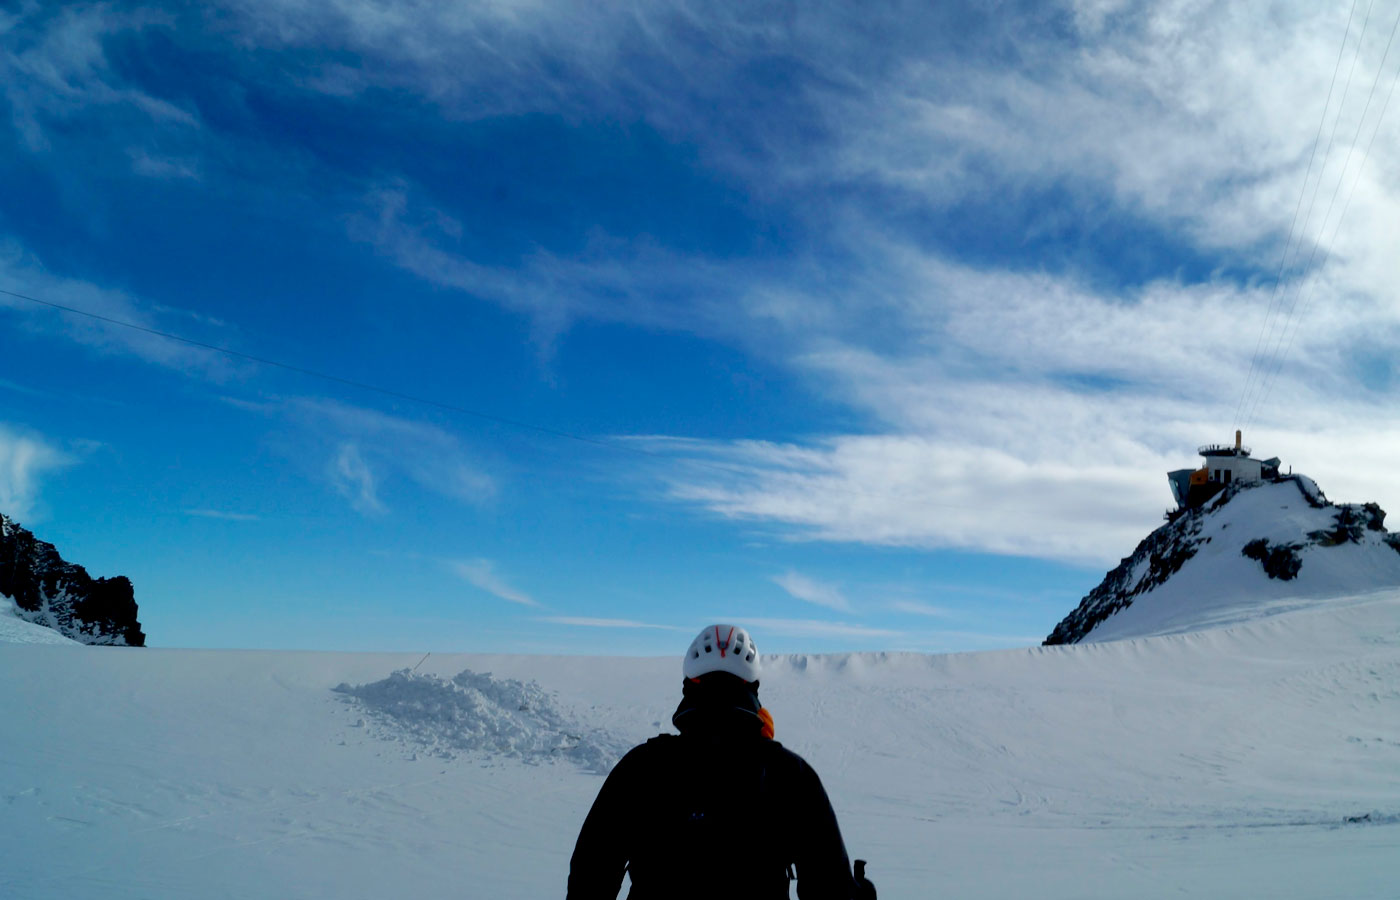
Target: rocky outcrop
pixel 1280 561
pixel 49 591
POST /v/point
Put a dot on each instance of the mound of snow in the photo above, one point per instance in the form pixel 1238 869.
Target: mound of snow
pixel 16 630
pixel 481 715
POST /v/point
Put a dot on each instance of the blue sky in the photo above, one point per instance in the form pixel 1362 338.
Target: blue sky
pixel 867 325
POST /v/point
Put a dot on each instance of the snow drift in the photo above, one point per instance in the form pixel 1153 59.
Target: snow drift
pixel 482 715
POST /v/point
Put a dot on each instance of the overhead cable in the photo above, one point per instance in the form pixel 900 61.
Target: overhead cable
pixel 1279 323
pixel 1292 226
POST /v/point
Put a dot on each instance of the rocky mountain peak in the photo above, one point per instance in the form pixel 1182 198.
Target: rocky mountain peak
pixel 1252 548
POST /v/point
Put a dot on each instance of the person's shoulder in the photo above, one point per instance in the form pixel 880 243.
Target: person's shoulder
pixel 775 748
pixel 788 761
pixel 637 764
pixel 651 749
pixel 773 751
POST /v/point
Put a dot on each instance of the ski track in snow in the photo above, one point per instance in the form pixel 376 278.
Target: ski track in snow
pixel 1259 759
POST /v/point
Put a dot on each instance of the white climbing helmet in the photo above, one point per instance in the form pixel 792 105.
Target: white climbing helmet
pixel 722 648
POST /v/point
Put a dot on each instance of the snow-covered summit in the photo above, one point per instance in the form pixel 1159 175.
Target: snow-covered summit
pixel 1252 550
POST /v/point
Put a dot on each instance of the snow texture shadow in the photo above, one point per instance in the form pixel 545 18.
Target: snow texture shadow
pixel 477 714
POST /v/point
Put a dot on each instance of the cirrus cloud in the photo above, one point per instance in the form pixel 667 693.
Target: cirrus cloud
pixel 482 574
pixel 812 591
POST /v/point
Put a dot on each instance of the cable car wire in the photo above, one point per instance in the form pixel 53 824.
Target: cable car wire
pixel 1361 168
pixel 1278 324
pixel 1292 226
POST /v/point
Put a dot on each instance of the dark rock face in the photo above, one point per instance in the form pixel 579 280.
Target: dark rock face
pixel 61 595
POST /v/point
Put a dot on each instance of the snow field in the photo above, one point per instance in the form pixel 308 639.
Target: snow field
pixel 1219 763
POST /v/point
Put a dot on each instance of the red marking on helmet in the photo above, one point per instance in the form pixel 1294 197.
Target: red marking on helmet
pixel 723 644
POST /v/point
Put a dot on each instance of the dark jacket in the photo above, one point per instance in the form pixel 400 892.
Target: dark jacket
pixel 717 811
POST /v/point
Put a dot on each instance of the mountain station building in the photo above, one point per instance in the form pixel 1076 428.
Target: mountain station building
pixel 1224 465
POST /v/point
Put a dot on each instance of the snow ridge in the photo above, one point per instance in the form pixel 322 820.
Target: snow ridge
pixel 478 714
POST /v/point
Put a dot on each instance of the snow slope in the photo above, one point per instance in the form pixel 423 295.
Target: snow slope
pixel 1218 763
pixel 16 630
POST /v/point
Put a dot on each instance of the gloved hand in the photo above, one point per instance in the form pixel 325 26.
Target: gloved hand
pixel 864 889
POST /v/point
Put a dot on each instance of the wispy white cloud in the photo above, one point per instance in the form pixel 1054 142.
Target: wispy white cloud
pixel 588 622
pixel 370 452
pixel 25 458
pixel 63 73
pixel 23 389
pixel 615 280
pixel 481 573
pixel 424 452
pixel 810 590
pixel 353 477
pixel 919 608
pixel 222 514
pixel 935 492
pixel 162 167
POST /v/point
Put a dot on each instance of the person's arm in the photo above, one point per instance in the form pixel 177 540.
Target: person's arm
pixel 823 868
pixel 600 855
